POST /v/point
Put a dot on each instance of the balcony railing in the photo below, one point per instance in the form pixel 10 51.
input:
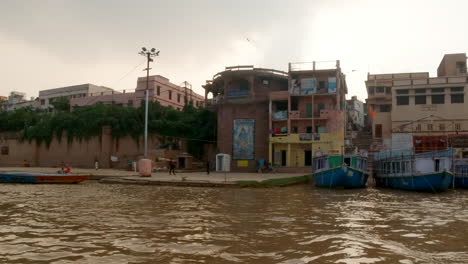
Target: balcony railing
pixel 313 66
pixel 280 116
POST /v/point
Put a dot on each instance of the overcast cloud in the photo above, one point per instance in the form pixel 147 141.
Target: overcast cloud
pixel 55 43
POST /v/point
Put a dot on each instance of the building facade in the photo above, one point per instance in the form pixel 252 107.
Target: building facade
pixel 356 115
pixel 160 89
pixel 46 97
pixel 241 100
pixel 308 119
pixel 17 100
pixel 414 109
pixel 283 118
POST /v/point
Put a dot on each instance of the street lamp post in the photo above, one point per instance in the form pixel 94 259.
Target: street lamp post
pixel 148 54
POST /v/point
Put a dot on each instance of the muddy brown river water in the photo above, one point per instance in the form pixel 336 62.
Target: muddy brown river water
pixel 97 223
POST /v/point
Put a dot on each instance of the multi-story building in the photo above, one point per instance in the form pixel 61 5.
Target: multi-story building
pixel 160 89
pixel 279 117
pixel 308 119
pixel 17 100
pixel 46 97
pixel 241 99
pixel 356 115
pixel 413 109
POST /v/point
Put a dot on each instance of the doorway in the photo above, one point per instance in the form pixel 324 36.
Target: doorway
pixel 378 130
pixel 308 158
pixel 283 158
pixel 181 163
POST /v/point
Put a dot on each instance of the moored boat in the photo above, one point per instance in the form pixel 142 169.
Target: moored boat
pixel 403 169
pixel 349 171
pixel 30 177
pixel 460 173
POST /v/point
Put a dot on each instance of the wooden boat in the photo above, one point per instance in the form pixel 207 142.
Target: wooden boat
pixel 460 173
pixel 403 169
pixel 349 171
pixel 30 177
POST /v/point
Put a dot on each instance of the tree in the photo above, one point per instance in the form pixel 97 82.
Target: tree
pixel 61 104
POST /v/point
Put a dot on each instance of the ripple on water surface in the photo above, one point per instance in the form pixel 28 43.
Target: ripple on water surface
pixel 94 223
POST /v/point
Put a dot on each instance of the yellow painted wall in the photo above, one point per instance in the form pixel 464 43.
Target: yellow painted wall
pixel 329 143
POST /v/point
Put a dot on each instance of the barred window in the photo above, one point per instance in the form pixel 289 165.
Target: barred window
pixel 457 98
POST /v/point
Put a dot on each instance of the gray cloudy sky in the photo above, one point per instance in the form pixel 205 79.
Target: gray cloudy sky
pixel 52 43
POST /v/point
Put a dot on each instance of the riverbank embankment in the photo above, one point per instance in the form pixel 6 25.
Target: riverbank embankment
pixel 193 179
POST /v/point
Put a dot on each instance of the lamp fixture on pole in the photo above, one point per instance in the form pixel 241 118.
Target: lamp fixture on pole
pixel 148 54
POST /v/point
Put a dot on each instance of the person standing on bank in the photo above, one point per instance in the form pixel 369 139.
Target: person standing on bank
pixel 207 167
pixel 96 164
pixel 172 167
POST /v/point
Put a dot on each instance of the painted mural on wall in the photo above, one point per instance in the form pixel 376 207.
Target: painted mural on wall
pixel 243 139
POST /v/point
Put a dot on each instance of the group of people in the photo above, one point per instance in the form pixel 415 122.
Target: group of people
pixel 64 168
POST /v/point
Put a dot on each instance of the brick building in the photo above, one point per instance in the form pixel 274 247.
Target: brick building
pixel 284 118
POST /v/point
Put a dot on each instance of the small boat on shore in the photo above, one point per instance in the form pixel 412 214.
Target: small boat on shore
pixel 406 170
pixel 30 177
pixel 349 171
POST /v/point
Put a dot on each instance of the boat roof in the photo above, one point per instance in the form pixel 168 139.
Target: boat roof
pixel 409 152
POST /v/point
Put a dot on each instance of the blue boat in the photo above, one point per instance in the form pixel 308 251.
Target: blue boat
pixel 460 173
pixel 424 172
pixel 340 171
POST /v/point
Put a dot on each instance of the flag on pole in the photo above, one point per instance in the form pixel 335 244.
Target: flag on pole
pixel 371 112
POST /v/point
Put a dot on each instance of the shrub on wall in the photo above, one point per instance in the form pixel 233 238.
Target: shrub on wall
pixel 196 125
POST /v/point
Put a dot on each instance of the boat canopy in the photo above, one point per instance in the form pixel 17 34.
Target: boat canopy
pixel 409 152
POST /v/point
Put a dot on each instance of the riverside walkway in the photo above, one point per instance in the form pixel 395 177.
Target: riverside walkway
pixel 214 179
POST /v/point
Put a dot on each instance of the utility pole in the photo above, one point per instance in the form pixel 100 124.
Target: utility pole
pixel 148 54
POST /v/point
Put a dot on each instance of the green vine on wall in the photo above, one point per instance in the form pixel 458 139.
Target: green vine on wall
pixel 197 125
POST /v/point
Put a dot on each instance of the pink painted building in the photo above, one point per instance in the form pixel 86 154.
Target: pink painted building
pixel 160 89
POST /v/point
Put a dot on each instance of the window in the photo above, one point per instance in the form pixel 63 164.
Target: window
pixel 5 150
pixel 170 95
pixel 457 89
pixel 158 90
pixel 461 67
pixel 294 130
pixel 429 127
pixel 130 103
pixel 418 127
pixel 402 91
pixel 266 83
pixel 437 165
pixel 385 108
pixel 437 90
pixel 457 126
pixel 387 90
pixel 438 99
pixel 178 98
pixel 309 129
pixel 420 99
pixel 441 127
pixel 371 89
pixel 379 89
pixel 420 90
pixel 402 100
pixel 42 102
pixel 457 98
